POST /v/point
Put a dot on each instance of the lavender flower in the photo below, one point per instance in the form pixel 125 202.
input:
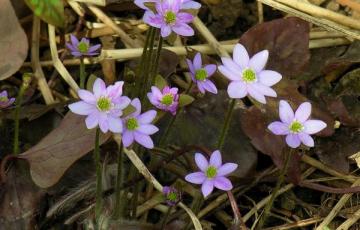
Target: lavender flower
pixel 172 195
pixel 103 107
pixel 200 74
pixel 212 173
pixel 167 99
pixel 169 18
pixel 5 101
pixel 82 48
pixel 185 4
pixel 297 127
pixel 247 75
pixel 138 126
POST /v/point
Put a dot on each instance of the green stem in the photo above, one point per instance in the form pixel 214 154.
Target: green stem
pixel 275 191
pixel 119 181
pixel 226 126
pixel 82 73
pixel 98 197
pixel 155 67
pixel 166 217
pixel 140 69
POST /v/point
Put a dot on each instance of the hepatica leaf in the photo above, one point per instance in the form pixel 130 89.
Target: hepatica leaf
pixel 51 11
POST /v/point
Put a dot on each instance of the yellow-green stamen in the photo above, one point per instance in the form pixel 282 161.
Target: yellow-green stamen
pixel 200 75
pixel 103 104
pixel 211 172
pixel 296 127
pixel 167 99
pixel 170 17
pixel 3 99
pixel 248 76
pixel 172 196
pixel 83 47
pixel 132 124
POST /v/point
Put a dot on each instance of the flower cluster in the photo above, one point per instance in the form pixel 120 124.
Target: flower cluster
pixel 5 101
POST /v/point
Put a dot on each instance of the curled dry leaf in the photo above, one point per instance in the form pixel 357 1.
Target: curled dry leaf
pixel 54 154
pixel 13 41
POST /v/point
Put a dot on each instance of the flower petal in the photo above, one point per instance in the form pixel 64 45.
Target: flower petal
pixel 241 56
pixel 237 89
pixel 127 138
pixel 231 65
pixel 197 61
pixel 306 139
pixel 99 87
pixel 215 159
pixel 86 96
pixel 303 112
pixel 257 95
pixel 147 129
pixel 210 86
pixel 143 140
pixel 228 73
pixel 82 108
pixel 94 48
pixel 92 120
pixel 183 29
pixel 207 187
pixel 115 91
pixel 269 77
pixel 226 169
pixel 103 122
pixel 147 117
pixel 258 61
pixel 293 140
pixel 191 66
pixel 278 128
pixel 190 5
pixel 314 126
pixel 286 113
pixel 74 40
pixel 265 90
pixel 137 104
pixel 115 124
pixel 165 31
pixel 223 183
pixel 152 19
pixel 201 161
pixel 196 178
pixel 210 69
pixel 184 17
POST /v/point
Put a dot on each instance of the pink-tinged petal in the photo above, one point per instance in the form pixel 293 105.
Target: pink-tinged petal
pixel 184 17
pixel 201 161
pixel 147 129
pixel 137 104
pixel 231 65
pixel 197 61
pixel 229 74
pixel 314 126
pixel 143 140
pixel 258 61
pixel 82 108
pixel 115 91
pixel 74 40
pixel 86 96
pixel 210 69
pixel 215 159
pixel 293 140
pixel 223 183
pixel 210 86
pixel 278 128
pixel 85 40
pixel 257 95
pixel 286 113
pixel 147 117
pixel 115 124
pixel 183 29
pixel 92 120
pixel 99 87
pixel 175 5
pixel 11 100
pixel 306 139
pixel 103 122
pixel 196 178
pixel 266 90
pixel 91 54
pixel 165 31
pixel 152 19
pixel 127 138
pixel 190 5
pixel 174 90
pixel 303 112
pixel 226 169
pixel 269 77
pixel 237 89
pixel 207 187
pixel 121 102
pixel 241 56
pixel 94 48
pixel 191 66
pixel 156 92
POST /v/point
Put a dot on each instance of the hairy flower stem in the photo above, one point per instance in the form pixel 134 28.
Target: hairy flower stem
pixel 98 196
pixel 155 67
pixel 281 179
pixel 226 126
pixel 82 73
pixel 119 182
pixel 24 86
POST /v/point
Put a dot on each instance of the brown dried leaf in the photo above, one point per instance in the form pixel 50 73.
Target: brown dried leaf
pixel 13 41
pixel 54 154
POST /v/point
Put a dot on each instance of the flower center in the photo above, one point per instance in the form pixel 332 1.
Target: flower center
pixel 172 196
pixel 170 17
pixel 211 172
pixel 296 127
pixel 248 76
pixel 200 74
pixel 83 47
pixel 3 99
pixel 103 104
pixel 132 124
pixel 167 99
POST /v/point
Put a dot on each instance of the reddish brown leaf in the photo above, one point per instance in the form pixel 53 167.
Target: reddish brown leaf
pixel 54 154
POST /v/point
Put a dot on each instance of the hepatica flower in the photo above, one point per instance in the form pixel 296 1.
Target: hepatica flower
pixel 200 74
pixel 185 4
pixel 172 195
pixel 5 101
pixel 296 126
pixel 212 173
pixel 168 18
pixel 82 48
pixel 138 126
pixel 103 107
pixel 166 100
pixel 247 75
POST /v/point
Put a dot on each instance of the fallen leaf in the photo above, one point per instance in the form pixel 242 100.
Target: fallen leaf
pixel 13 41
pixel 350 57
pixel 54 154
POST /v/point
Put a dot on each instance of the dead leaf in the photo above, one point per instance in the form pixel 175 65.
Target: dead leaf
pixel 54 154
pixel 13 41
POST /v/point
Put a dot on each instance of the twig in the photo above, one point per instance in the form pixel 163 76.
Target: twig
pixel 328 189
pixel 260 11
pixel 336 208
pixel 77 8
pixel 349 222
pixel 298 224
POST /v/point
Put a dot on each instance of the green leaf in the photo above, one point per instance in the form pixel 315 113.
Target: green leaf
pixel 128 110
pixel 51 11
pixel 160 82
pixel 185 100
pixel 90 82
